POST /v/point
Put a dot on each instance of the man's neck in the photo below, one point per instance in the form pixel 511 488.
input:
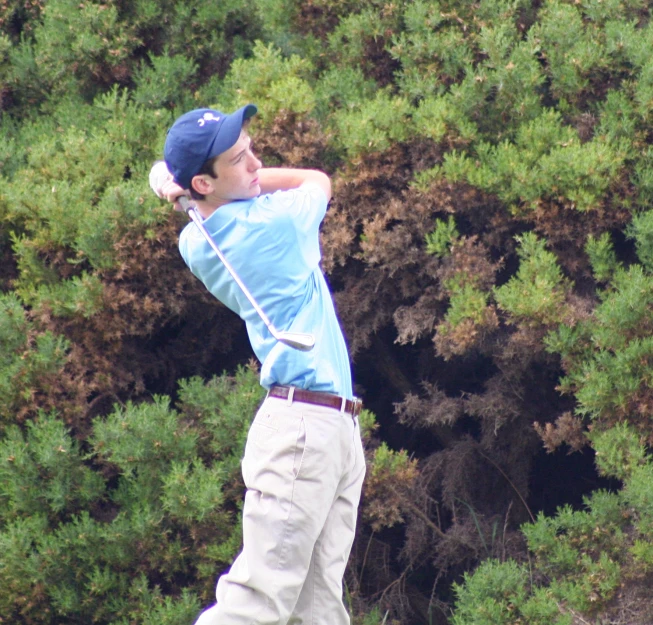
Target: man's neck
pixel 205 208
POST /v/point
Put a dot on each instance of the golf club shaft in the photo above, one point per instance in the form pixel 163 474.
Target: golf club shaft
pixel 302 342
pixel 160 176
pixel 197 220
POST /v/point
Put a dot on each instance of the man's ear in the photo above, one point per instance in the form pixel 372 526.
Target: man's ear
pixel 202 184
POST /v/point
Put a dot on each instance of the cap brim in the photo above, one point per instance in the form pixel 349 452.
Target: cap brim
pixel 230 130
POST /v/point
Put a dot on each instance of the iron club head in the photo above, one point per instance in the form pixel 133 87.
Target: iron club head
pixel 302 342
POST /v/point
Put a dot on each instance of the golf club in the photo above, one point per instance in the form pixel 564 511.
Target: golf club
pixel 159 175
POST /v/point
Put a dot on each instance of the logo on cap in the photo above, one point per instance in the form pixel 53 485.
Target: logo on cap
pixel 207 117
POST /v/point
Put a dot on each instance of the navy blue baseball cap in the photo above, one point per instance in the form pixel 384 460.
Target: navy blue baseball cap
pixel 199 135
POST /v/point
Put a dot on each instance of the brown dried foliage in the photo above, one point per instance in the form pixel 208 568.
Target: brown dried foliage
pixel 122 350
pixel 373 244
pixel 432 409
pixel 566 229
pixel 389 496
pixel 567 429
pixel 633 602
pixel 294 140
pixel 320 17
pixel 468 489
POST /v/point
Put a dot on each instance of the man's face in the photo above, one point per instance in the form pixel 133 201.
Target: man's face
pixel 236 173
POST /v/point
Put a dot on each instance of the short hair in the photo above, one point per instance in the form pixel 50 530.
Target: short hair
pixel 205 169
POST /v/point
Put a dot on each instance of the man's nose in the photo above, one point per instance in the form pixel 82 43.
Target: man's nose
pixel 255 163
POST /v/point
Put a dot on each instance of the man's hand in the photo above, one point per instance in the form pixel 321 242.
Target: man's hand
pixel 163 185
pixel 172 192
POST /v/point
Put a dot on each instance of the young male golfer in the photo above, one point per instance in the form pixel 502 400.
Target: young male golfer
pixel 303 464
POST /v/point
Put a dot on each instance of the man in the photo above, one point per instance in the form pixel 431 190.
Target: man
pixel 303 464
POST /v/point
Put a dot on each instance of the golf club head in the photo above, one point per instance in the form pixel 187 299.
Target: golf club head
pixel 297 340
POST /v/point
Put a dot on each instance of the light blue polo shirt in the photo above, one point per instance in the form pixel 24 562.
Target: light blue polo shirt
pixel 272 242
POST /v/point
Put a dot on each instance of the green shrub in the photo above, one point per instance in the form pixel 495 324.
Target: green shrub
pixel 638 493
pixel 164 81
pixel 491 595
pixel 619 451
pixel 609 367
pixel 546 161
pixel 439 241
pixel 81 50
pixel 641 230
pixel 42 472
pixel 495 118
pixel 144 537
pixel 602 257
pixel 374 125
pixel 29 363
pixel 580 558
pixel 267 79
pixel 536 294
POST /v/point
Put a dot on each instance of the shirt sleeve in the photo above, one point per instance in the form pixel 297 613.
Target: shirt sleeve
pixel 306 206
pixel 301 211
pixel 183 244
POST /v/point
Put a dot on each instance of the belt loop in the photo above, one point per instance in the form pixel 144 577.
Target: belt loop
pixel 343 405
pixel 291 395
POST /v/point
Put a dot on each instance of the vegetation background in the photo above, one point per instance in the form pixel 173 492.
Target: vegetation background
pixel 490 248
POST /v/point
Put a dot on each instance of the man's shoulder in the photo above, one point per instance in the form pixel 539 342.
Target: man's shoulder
pixel 291 201
pixel 189 231
pixel 189 237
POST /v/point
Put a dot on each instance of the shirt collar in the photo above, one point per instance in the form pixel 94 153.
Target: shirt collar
pixel 225 213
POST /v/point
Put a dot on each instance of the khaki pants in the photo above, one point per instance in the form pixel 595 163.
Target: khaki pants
pixel 303 469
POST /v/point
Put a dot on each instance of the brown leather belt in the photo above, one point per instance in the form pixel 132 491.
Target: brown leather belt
pixel 352 407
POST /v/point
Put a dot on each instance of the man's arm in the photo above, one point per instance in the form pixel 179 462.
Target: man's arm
pixel 273 179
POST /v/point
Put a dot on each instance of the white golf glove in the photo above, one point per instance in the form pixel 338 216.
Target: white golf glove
pixel 163 185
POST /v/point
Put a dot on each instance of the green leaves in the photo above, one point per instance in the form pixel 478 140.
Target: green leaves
pixel 92 531
pixel 610 362
pixel 439 241
pixel 192 492
pixel 375 125
pixel 164 81
pixel 29 360
pixel 619 451
pixel 536 294
pixel 545 162
pixel 490 596
pixel 602 256
pixel 43 473
pixel 143 438
pixel 222 411
pixel 641 230
pixel 271 80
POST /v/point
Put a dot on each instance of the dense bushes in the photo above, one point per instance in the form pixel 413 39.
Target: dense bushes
pixel 584 561
pixel 489 244
pixel 133 524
